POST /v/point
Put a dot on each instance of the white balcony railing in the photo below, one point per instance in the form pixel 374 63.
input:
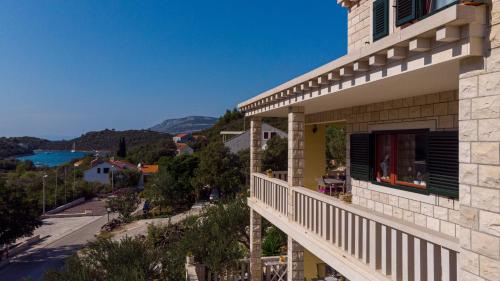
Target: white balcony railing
pixel 389 247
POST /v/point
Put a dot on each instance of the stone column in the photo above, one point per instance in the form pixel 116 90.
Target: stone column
pixel 479 159
pixel 296 137
pixel 255 246
pixel 255 148
pixel 295 261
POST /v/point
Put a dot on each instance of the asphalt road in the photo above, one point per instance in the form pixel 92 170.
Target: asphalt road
pixel 35 262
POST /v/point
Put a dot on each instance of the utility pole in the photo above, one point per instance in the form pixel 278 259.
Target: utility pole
pixel 65 173
pixel 43 193
pixel 112 178
pixel 55 194
pixel 74 181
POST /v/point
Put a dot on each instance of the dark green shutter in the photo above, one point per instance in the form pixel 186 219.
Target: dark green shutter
pixel 380 19
pixel 442 163
pixel 406 11
pixel 361 156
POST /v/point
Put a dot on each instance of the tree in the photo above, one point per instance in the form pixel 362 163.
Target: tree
pixel 129 259
pixel 126 178
pixel 152 153
pixel 172 186
pixel 336 144
pixel 275 157
pixel 274 241
pixel 218 168
pixel 122 148
pixel 19 213
pixel 219 238
pixel 124 204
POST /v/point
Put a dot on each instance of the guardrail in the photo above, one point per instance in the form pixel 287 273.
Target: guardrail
pixel 398 250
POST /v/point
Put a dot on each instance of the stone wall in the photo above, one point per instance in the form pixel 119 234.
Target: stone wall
pixel 439 111
pixel 479 122
pixel 358 25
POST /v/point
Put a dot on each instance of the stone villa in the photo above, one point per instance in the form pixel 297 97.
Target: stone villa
pixel 419 96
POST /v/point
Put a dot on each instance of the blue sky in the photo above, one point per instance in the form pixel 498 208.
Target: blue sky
pixel 68 67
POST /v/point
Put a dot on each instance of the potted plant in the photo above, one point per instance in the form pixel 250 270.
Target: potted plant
pixel 346 197
pixel 269 173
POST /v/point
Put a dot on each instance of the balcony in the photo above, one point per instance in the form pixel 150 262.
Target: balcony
pixel 420 52
pixel 358 243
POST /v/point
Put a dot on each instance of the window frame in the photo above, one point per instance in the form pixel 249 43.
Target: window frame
pixel 265 135
pixel 417 13
pixel 393 181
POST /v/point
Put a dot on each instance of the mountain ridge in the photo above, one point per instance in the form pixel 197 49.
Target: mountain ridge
pixel 188 124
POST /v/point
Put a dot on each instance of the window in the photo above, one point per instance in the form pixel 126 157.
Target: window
pixel 416 160
pixel 98 170
pixel 409 10
pixel 380 24
pixel 273 134
pixel 266 135
pixel 400 158
pixel 105 170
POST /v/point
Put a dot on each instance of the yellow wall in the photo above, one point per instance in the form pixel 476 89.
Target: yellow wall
pixel 310 265
pixel 314 155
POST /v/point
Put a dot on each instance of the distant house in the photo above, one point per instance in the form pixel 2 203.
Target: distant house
pixel 100 170
pixel 183 149
pixel 146 172
pixel 182 138
pixel 242 139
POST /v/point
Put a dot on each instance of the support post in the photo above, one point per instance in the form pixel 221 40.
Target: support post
pixel 296 127
pixel 255 246
pixel 255 149
pixel 295 260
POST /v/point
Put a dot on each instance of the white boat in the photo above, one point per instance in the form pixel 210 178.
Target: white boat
pixel 73 150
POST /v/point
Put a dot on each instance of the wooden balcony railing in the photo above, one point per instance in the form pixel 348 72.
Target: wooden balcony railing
pixel 394 248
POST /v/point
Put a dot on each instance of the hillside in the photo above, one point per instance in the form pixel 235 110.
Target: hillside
pixel 9 147
pixel 188 124
pixel 100 140
pixel 107 140
pixel 234 121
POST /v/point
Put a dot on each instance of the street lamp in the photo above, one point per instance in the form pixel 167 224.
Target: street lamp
pixel 43 193
pixel 109 211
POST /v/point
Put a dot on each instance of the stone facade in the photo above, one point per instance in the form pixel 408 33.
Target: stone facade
pixel 295 260
pixel 358 25
pixel 437 111
pixel 255 246
pixel 479 122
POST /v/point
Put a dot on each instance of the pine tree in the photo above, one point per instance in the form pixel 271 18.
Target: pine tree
pixel 122 148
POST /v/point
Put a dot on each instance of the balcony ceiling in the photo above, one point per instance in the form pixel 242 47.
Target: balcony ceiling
pixel 436 78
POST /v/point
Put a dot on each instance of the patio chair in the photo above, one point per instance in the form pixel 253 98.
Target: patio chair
pixel 321 185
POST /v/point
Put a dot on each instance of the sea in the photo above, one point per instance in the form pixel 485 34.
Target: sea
pixel 53 158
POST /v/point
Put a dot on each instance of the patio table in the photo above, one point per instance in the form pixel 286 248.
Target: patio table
pixel 332 183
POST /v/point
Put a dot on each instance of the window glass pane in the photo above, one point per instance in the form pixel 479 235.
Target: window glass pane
pixel 411 155
pixel 383 157
pixel 266 135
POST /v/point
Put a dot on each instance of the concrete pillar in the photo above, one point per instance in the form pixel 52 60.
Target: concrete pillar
pixel 295 261
pixel 296 140
pixel 479 158
pixel 255 246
